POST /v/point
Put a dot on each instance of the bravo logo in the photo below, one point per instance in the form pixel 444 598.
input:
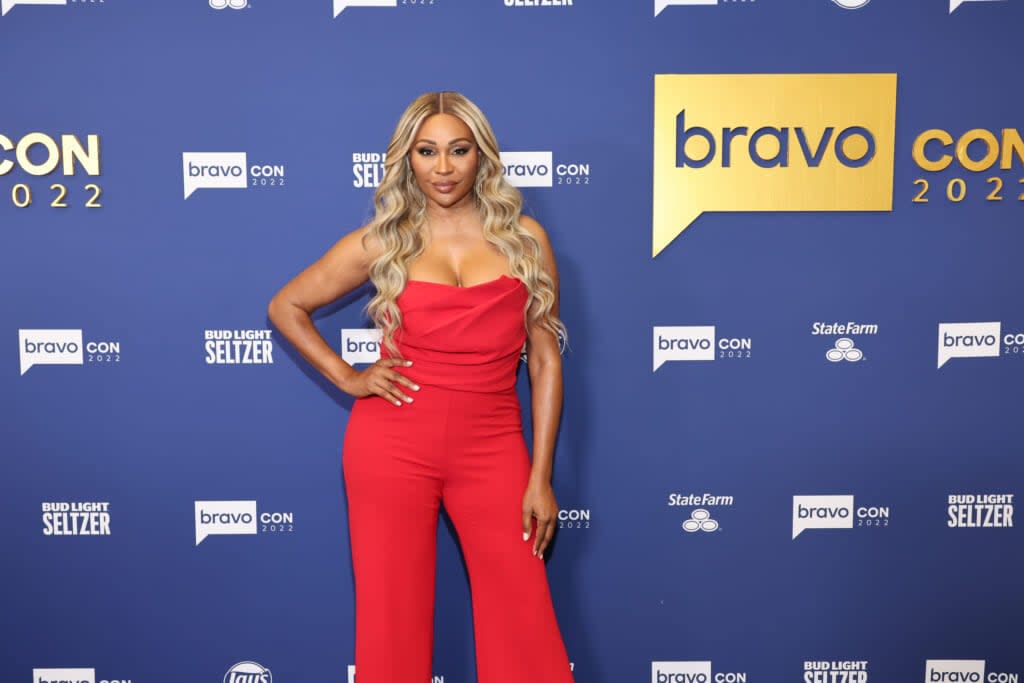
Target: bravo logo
pixel 692 672
pixel 360 345
pixel 953 4
pixel 6 5
pixel 835 512
pixel 770 142
pixel 340 5
pixel 964 671
pixel 434 678
pixel 968 340
pixel 63 347
pixel 696 342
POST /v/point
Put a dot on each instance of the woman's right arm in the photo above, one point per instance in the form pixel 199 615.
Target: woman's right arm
pixel 345 266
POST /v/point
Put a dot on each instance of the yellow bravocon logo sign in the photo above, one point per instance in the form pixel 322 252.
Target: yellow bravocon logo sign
pixel 770 142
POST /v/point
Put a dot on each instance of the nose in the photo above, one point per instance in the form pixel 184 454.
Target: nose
pixel 443 165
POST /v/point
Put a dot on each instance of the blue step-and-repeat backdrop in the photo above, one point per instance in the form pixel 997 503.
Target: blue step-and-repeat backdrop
pixel 789 234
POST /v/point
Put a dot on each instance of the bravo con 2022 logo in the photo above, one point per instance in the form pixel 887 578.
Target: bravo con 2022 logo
pixel 6 5
pixel 693 672
pixel 964 671
pixel 696 342
pixel 63 347
pixel 522 169
pixel 978 340
pixel 238 517
pixel 659 5
pixel 37 155
pixel 87 675
pixel 227 170
pixel 835 512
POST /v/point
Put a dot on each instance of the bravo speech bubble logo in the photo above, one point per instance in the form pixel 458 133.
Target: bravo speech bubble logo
pixel 224 517
pixel 683 342
pixel 340 5
pixel 953 4
pixel 662 4
pixel 63 675
pixel 770 142
pixel 6 5
pixel 213 169
pixel 49 347
pixel 968 340
pixel 822 512
pixel 965 670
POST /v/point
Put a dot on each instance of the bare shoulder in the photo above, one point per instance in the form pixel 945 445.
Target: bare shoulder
pixel 534 228
pixel 372 246
pixel 540 234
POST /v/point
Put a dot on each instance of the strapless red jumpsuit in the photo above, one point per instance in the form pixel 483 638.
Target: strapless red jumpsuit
pixel 459 442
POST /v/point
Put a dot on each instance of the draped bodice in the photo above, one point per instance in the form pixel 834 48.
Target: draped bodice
pixel 465 338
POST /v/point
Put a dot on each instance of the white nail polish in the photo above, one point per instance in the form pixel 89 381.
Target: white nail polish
pixel 526 535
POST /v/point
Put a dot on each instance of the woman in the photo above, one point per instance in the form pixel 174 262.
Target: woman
pixel 463 283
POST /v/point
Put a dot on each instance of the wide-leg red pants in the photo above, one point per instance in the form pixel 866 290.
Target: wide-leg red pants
pixel 465 449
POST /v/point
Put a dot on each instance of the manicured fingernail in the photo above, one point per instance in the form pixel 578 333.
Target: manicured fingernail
pixel 542 556
pixel 408 399
pixel 416 387
pixel 408 362
pixel 398 403
pixel 526 535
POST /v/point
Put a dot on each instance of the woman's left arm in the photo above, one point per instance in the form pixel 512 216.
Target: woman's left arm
pixel 544 364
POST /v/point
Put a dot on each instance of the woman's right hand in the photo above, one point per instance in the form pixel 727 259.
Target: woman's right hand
pixel 379 379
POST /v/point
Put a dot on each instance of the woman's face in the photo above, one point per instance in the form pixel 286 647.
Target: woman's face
pixel 444 158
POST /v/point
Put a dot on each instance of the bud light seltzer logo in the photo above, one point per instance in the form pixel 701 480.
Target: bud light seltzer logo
pixel 238 517
pixel 834 512
pixel 836 672
pixel 63 347
pixel 63 675
pixel 980 511
pixel 248 672
pixel 76 518
pixel 227 170
pixel 692 672
pixel 238 347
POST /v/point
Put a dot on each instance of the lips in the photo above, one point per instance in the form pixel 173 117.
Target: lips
pixel 445 187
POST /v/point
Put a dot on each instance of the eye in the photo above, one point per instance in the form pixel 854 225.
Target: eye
pixel 462 150
pixel 425 151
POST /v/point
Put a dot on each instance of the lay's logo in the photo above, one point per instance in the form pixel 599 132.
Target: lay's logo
pixel 770 142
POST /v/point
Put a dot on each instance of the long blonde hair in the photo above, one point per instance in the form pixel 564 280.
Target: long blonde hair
pixel 400 212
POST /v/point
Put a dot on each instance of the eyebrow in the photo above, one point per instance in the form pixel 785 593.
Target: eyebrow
pixel 450 143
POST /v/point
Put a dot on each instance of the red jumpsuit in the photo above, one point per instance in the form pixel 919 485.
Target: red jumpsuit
pixel 459 442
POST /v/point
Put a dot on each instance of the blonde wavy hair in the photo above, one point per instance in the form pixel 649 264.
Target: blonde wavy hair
pixel 400 212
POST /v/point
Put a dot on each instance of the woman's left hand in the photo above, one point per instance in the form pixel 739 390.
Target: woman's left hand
pixel 539 502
